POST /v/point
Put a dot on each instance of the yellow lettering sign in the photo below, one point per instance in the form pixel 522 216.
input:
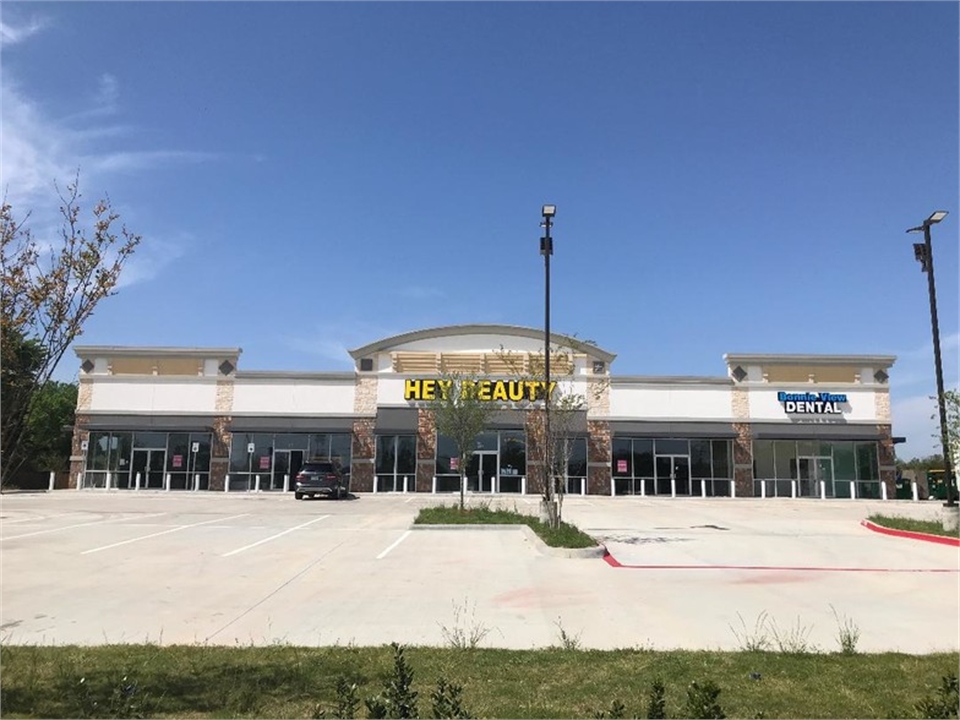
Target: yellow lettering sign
pixel 486 390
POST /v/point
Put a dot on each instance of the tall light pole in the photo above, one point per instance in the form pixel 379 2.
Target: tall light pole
pixel 923 252
pixel 546 249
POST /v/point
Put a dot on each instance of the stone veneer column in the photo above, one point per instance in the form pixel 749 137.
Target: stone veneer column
pixel 599 441
pixel 426 450
pixel 364 440
pixel 743 443
pixel 222 437
pixel 78 457
pixel 361 463
pixel 885 449
pixel 599 454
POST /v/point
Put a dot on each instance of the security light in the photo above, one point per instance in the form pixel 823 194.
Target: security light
pixel 937 217
pixel 549 211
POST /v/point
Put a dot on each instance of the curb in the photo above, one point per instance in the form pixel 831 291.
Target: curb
pixel 939 539
pixel 576 553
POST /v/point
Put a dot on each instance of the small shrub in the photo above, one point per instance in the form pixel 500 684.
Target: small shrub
pixel 946 702
pixel 399 699
pixel 348 702
pixel 447 701
pixel 617 711
pixel 657 700
pixel 702 701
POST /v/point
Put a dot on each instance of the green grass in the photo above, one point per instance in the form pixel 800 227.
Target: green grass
pixel 289 682
pixel 895 522
pixel 565 536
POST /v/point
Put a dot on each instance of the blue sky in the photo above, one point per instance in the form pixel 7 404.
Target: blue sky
pixel 310 177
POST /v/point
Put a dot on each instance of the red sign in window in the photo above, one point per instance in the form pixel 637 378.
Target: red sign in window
pixel 621 466
pixel 265 462
pixel 178 461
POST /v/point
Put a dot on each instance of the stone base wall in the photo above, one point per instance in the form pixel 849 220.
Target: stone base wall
pixel 78 457
pixel 221 440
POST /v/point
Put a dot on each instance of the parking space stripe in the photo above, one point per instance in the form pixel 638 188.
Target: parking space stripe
pixel 70 527
pixel 274 537
pixel 398 541
pixel 37 519
pixel 163 532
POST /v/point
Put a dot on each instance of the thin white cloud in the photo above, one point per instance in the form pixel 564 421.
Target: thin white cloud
pixel 333 341
pixel 11 35
pixel 39 151
pixel 151 257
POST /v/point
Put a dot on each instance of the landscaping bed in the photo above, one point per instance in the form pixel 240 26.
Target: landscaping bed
pixel 565 536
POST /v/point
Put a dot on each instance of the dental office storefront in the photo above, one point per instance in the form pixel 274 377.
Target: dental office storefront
pixel 190 419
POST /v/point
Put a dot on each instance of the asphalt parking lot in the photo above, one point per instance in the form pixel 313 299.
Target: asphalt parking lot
pixel 110 567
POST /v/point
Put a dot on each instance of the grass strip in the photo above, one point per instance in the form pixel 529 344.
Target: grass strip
pixel 565 536
pixel 897 522
pixel 282 681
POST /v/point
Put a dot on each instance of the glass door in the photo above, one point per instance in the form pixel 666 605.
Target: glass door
pixel 482 472
pixel 150 464
pixel 811 470
pixel 673 471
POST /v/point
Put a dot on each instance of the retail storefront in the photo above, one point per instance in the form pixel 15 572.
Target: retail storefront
pixel 770 426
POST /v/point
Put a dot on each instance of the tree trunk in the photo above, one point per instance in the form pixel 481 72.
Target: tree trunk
pixel 463 485
pixel 549 512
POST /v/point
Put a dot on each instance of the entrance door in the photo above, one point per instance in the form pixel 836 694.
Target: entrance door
pixel 673 471
pixel 285 462
pixel 482 472
pixel 150 464
pixel 811 470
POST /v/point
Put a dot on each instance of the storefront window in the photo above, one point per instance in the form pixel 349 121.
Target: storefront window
pixel 763 466
pixel 868 466
pixel 396 463
pixel 700 464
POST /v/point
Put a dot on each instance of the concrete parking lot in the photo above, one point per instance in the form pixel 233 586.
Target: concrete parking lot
pixel 111 567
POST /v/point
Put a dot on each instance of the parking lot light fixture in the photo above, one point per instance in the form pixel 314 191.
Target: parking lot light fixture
pixel 924 255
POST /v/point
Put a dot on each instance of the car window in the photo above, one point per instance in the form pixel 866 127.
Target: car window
pixel 318 467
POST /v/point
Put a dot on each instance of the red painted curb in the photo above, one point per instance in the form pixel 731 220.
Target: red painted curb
pixel 939 539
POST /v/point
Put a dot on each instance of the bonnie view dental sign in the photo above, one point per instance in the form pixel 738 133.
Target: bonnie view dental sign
pixel 812 403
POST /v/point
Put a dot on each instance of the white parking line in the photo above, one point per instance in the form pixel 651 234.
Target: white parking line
pixel 274 537
pixel 409 500
pixel 399 540
pixel 70 527
pixel 158 534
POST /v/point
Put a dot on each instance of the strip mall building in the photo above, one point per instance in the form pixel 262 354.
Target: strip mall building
pixel 769 426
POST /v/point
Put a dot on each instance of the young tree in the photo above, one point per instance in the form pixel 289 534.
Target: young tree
pixel 49 290
pixel 48 443
pixel 952 403
pixel 461 415
pixel 551 449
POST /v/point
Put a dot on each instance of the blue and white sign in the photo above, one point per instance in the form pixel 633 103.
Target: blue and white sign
pixel 812 403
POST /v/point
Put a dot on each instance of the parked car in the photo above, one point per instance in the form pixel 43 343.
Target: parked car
pixel 321 477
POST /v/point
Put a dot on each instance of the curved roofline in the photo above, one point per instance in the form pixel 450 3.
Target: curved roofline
pixel 451 330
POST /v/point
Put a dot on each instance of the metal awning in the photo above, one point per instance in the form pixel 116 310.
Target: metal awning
pixel 655 429
pixel 397 420
pixel 814 431
pixel 183 423
pixel 322 424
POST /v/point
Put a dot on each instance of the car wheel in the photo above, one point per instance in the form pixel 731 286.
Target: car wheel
pixel 298 495
pixel 336 493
